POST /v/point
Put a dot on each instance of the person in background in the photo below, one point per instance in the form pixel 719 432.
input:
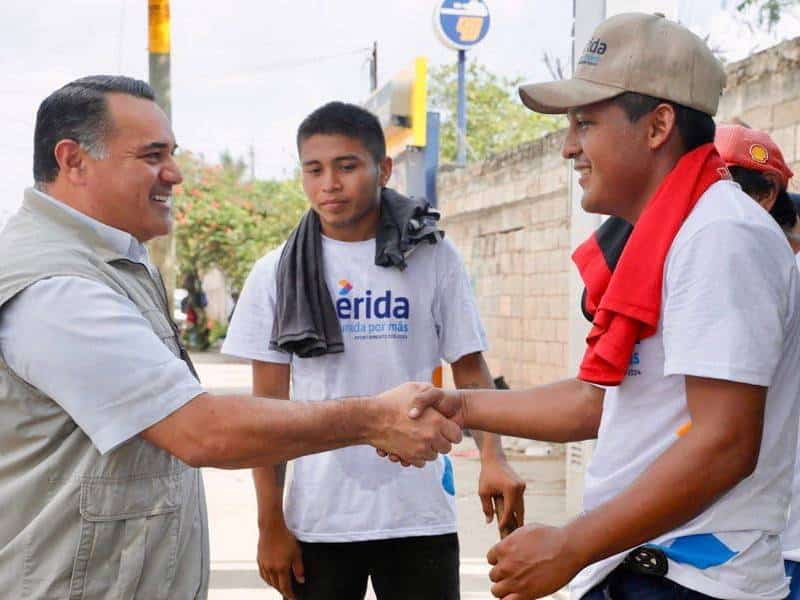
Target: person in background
pixel 756 163
pixel 399 305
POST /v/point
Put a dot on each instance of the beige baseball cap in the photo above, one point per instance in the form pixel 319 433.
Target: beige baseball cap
pixel 636 52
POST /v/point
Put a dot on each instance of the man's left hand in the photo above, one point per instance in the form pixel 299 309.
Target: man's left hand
pixel 532 562
pixel 498 479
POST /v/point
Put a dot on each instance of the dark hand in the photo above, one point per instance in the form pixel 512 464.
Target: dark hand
pixel 532 562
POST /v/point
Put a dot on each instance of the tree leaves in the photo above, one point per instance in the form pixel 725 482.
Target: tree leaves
pixel 496 118
pixel 225 222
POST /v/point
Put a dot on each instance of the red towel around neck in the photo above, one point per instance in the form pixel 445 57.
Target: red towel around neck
pixel 625 296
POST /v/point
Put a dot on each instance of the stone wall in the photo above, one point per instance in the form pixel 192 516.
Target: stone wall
pixel 510 218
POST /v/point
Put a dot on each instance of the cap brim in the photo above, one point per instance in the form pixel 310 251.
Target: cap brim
pixel 557 97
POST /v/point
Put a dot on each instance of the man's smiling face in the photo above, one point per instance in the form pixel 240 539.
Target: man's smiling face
pixel 611 155
pixel 130 186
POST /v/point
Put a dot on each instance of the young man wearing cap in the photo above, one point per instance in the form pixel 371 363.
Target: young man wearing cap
pixel 756 163
pixel 690 378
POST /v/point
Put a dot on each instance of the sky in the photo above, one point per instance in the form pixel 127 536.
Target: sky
pixel 246 72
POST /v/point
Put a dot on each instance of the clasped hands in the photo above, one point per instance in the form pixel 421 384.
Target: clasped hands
pixel 416 422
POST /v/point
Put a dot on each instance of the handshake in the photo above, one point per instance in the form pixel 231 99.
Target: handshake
pixel 415 422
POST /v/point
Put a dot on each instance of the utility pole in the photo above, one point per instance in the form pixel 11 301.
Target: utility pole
pixel 373 68
pixel 162 249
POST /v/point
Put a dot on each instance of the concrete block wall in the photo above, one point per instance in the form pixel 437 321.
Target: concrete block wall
pixel 509 217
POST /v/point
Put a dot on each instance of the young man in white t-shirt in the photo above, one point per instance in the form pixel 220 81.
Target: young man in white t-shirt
pixel 688 487
pixel 355 514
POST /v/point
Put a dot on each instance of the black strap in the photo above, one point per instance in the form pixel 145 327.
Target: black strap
pixel 646 560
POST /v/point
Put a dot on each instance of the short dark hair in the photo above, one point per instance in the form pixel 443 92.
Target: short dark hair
pixel 78 111
pixel 755 184
pixel 695 127
pixel 350 120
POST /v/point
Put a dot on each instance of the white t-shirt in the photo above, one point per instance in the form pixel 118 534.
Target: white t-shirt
pixel 396 327
pixel 730 310
pixel 791 537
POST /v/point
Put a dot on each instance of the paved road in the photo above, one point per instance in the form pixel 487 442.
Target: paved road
pixel 232 507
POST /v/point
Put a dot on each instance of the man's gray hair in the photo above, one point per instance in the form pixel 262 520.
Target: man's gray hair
pixel 79 111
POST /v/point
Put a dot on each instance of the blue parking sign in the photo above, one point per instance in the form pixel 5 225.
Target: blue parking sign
pixel 461 24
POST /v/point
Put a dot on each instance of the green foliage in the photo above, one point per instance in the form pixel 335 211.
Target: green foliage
pixel 216 333
pixel 768 11
pixel 225 222
pixel 496 119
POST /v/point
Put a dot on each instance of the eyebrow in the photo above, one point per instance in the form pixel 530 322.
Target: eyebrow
pixel 336 159
pixel 157 146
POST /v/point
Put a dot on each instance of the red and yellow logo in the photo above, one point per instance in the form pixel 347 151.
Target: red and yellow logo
pixel 759 154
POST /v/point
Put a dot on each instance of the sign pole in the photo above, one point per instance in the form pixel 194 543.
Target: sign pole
pixel 461 154
pixel 461 25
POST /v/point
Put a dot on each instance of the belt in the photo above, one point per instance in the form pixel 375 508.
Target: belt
pixel 646 560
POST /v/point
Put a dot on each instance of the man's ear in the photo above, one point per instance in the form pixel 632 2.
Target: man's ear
pixel 71 159
pixel 662 126
pixel 385 170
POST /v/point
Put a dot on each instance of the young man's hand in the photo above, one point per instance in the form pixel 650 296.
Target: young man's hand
pixel 412 440
pixel 449 403
pixel 532 562
pixel 498 480
pixel 280 559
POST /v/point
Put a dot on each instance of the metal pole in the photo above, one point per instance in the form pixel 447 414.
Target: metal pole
pixel 461 133
pixel 162 249
pixel 373 68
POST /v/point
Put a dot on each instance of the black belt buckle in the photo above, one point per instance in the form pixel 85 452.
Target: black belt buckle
pixel 647 560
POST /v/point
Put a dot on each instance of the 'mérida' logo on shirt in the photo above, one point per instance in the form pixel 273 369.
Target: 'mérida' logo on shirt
pixel 370 306
pixel 592 52
pixel 344 287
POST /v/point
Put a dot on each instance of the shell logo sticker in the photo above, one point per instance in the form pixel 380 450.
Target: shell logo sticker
pixel 759 154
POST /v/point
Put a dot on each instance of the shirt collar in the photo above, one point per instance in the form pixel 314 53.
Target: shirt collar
pixel 119 241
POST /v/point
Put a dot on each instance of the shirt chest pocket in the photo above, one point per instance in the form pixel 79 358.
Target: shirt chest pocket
pixel 163 329
pixel 128 539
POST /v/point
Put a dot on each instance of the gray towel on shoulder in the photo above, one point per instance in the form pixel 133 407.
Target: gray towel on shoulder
pixel 305 322
pixel 405 222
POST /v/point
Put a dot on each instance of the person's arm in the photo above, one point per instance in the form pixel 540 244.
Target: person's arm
pixel 497 479
pixel 725 438
pixel 565 411
pixel 105 365
pixel 279 556
pixel 242 431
